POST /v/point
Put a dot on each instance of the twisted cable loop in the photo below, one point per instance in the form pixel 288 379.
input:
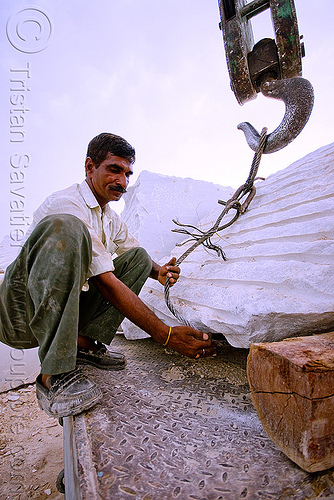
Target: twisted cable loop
pixel 204 238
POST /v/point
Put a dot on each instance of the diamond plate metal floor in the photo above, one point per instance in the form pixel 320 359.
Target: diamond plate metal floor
pixel 174 428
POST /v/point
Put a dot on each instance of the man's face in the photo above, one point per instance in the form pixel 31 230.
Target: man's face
pixel 110 180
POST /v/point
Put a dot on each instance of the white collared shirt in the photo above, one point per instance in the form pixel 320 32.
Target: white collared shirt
pixel 108 233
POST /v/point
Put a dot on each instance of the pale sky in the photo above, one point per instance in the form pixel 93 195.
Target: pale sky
pixel 152 71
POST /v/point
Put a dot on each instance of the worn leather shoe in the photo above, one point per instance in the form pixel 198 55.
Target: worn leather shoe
pixel 103 359
pixel 70 394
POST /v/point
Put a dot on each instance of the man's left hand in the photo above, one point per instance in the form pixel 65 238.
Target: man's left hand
pixel 169 270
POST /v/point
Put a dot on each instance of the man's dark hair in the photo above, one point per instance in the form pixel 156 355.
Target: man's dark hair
pixel 105 143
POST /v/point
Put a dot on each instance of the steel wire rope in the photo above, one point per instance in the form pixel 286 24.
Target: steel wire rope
pixel 204 238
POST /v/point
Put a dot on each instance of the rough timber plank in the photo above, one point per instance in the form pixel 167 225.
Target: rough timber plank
pixel 292 387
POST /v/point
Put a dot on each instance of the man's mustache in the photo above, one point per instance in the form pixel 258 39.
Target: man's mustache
pixel 119 189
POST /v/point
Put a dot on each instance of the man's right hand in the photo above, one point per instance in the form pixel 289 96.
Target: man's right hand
pixel 191 343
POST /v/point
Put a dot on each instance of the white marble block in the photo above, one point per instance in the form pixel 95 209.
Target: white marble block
pixel 18 367
pixel 155 199
pixel 278 279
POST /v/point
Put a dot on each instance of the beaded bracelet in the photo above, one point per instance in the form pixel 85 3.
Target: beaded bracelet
pixel 168 336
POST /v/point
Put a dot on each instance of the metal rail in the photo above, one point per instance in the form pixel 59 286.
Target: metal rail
pixel 71 474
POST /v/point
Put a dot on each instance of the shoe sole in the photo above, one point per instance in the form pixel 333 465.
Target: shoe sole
pixel 69 413
pixel 101 367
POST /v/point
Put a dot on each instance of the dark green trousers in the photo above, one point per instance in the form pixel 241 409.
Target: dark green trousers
pixel 41 298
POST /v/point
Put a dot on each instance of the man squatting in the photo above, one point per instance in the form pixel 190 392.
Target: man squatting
pixel 67 294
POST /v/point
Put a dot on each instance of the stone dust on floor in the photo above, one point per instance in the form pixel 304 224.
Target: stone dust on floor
pixel 31 448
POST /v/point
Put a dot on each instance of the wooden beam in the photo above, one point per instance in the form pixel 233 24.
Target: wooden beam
pixel 292 387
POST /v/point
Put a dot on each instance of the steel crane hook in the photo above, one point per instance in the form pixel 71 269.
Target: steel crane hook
pixel 271 66
pixel 298 95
